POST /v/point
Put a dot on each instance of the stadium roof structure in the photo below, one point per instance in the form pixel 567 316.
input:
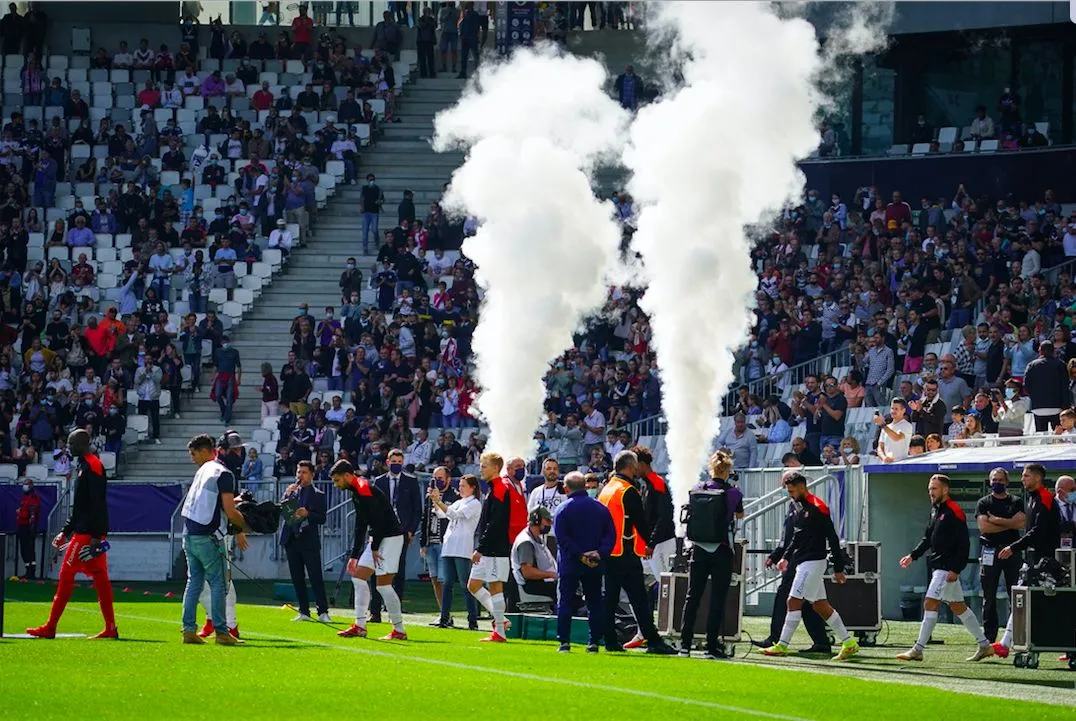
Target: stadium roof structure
pixel 1009 457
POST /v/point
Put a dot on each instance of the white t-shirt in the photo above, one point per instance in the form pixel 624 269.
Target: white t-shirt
pixel 547 498
pixel 898 449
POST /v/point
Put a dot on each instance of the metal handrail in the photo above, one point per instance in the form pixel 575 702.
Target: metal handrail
pixel 46 540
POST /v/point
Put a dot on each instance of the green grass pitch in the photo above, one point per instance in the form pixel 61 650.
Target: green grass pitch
pixel 303 670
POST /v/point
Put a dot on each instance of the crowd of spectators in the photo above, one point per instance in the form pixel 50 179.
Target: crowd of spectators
pixel 944 307
pixel 79 333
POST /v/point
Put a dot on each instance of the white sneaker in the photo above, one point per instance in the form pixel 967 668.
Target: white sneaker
pixel 156 441
pixel 176 416
pixel 301 617
pixel 325 618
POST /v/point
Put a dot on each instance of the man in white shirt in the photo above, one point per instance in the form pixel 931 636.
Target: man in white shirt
pixel 281 238
pixel 593 426
pixel 897 435
pixel 613 444
pixel 171 96
pixel 234 86
pixel 439 265
pixel 190 83
pixel 1069 241
pixel 341 147
pixel 418 453
pixel 123 59
pixel 550 494
pixel 162 265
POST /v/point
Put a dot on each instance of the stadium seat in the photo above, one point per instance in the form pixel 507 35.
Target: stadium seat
pixel 988 146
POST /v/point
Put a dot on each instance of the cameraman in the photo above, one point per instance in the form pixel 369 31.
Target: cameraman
pixel 711 553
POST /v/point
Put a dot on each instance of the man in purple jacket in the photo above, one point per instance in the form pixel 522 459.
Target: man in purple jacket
pixel 585 537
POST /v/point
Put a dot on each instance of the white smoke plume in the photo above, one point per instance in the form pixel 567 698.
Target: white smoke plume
pixel 709 159
pixel 535 126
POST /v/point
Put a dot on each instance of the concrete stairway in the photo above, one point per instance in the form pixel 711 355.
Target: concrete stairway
pixel 401 159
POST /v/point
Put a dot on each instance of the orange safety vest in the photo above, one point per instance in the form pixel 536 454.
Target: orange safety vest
pixel 612 496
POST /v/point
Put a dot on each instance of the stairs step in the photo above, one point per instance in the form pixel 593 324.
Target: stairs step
pixel 401 159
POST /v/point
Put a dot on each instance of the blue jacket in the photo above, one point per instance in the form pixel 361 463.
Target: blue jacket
pixel 408 501
pixel 582 524
pixel 313 500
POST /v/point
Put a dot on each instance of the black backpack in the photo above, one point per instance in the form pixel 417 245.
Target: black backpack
pixel 706 516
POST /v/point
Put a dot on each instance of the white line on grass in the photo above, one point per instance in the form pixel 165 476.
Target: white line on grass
pixel 484 669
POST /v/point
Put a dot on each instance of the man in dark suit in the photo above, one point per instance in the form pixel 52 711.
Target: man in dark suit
pixel 406 496
pixel 302 543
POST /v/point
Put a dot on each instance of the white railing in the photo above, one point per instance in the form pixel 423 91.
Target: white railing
pixel 843 489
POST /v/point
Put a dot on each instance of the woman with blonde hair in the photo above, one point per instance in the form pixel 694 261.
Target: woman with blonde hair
pixel 711 556
pixel 849 452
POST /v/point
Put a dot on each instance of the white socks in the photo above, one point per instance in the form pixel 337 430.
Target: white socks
pixel 974 627
pixel 792 622
pixel 392 606
pixel 837 624
pixel 483 597
pixel 1006 639
pixel 229 603
pixel 930 620
pixel 497 601
pixel 362 601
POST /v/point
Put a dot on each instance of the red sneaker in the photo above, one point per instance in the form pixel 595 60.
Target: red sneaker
pixel 395 636
pixel 1000 651
pixel 234 631
pixel 494 638
pixel 353 631
pixel 45 631
pixel 637 642
pixel 207 629
pixel 107 633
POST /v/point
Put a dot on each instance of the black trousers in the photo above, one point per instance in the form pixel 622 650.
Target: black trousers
pixel 426 67
pixel 304 554
pixel 541 588
pixel 468 48
pixel 27 536
pixel 815 624
pixel 376 604
pixel 153 410
pixel 706 566
pixel 626 572
pixel 989 576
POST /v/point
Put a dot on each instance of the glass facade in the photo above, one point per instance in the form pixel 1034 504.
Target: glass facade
pixel 955 82
pixel 877 122
pixel 1039 78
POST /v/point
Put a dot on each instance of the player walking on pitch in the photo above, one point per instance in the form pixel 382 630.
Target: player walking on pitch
pixel 84 532
pixel 812 531
pixel 373 511
pixel 946 545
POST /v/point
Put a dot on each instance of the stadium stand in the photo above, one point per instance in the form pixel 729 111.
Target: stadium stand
pixel 109 154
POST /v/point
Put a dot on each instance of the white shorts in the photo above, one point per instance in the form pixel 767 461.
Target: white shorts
pixel 941 589
pixel 661 561
pixel 491 569
pixel 809 583
pixel 390 550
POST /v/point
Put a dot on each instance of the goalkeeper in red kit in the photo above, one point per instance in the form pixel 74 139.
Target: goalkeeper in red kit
pixel 84 532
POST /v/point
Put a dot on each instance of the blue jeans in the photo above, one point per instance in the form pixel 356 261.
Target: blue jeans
pixel 197 302
pixel 336 383
pixel 453 569
pixel 224 399
pixel 205 562
pixel 162 287
pixel 194 362
pixel 369 223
